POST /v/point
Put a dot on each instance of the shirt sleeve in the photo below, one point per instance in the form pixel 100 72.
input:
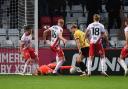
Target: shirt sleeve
pixel 103 29
pixel 89 27
pixel 22 38
pixel 51 28
pixel 76 36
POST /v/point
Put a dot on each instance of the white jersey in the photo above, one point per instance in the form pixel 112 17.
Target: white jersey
pixel 26 39
pixel 95 30
pixel 55 31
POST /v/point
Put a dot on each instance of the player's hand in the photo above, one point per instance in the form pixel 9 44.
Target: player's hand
pixel 46 27
pixel 107 45
pixel 80 52
pixel 126 47
pixel 64 41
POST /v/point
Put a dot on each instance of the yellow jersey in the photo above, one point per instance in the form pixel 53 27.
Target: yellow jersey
pixel 81 36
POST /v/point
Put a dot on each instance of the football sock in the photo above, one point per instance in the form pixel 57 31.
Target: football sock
pixel 59 64
pixel 123 64
pixel 25 66
pixel 103 64
pixel 34 67
pixel 89 65
pixel 57 59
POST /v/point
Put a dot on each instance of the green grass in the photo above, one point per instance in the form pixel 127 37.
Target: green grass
pixel 62 82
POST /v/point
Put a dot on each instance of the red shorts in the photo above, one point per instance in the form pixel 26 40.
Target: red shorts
pixel 29 53
pixel 96 49
pixel 44 69
pixel 58 50
pixel 124 53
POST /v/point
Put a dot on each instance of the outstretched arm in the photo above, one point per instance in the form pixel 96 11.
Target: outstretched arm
pixel 45 34
pixel 62 38
pixel 126 38
pixel 78 45
pixel 105 36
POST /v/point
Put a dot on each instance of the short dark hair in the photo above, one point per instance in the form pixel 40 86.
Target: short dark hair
pixel 74 26
pixel 27 28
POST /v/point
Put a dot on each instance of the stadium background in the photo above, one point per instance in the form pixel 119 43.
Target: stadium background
pixel 14 14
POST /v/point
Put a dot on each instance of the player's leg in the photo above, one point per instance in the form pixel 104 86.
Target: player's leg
pixel 103 59
pixel 91 56
pixel 61 56
pixel 81 64
pixel 34 58
pixel 121 60
pixel 85 53
pixel 103 66
pixel 27 59
pixel 25 66
pixel 89 65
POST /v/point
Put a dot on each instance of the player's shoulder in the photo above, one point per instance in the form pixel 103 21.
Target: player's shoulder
pixel 101 24
pixel 23 36
pixel 126 29
pixel 57 27
pixel 77 32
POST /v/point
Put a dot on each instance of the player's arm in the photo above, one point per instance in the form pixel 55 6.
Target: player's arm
pixel 87 32
pixel 126 38
pixel 62 38
pixel 21 45
pixel 45 34
pixel 78 45
pixel 105 36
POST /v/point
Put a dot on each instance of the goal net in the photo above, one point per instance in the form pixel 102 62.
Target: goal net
pixel 14 14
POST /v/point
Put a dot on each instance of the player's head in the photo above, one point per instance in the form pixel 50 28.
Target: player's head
pixel 61 22
pixel 96 17
pixel 74 28
pixel 27 29
pixel 126 22
pixel 38 72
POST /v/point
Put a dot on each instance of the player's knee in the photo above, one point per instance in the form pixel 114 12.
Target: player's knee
pixel 78 59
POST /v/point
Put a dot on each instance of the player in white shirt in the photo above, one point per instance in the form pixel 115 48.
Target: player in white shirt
pixel 56 36
pixel 26 49
pixel 96 31
pixel 124 51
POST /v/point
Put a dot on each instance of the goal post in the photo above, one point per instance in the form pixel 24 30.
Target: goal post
pixel 14 14
pixel 36 24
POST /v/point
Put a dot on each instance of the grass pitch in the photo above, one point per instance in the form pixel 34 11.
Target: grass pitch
pixel 62 82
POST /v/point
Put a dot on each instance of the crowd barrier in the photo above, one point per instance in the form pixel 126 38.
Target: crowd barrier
pixel 11 61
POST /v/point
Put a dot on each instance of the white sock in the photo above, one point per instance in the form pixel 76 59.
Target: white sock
pixel 59 64
pixel 57 59
pixel 34 67
pixel 89 65
pixel 122 63
pixel 25 66
pixel 103 64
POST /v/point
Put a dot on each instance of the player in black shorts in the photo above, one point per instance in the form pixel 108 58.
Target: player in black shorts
pixel 82 45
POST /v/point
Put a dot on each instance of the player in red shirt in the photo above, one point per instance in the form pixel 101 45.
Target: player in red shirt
pixel 124 51
pixel 96 31
pixel 56 36
pixel 27 52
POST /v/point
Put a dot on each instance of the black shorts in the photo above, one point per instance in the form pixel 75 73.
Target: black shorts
pixel 85 51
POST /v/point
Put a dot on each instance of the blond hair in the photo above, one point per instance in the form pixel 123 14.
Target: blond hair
pixel 96 17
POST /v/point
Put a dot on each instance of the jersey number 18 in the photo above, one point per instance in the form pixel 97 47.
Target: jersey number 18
pixel 95 31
